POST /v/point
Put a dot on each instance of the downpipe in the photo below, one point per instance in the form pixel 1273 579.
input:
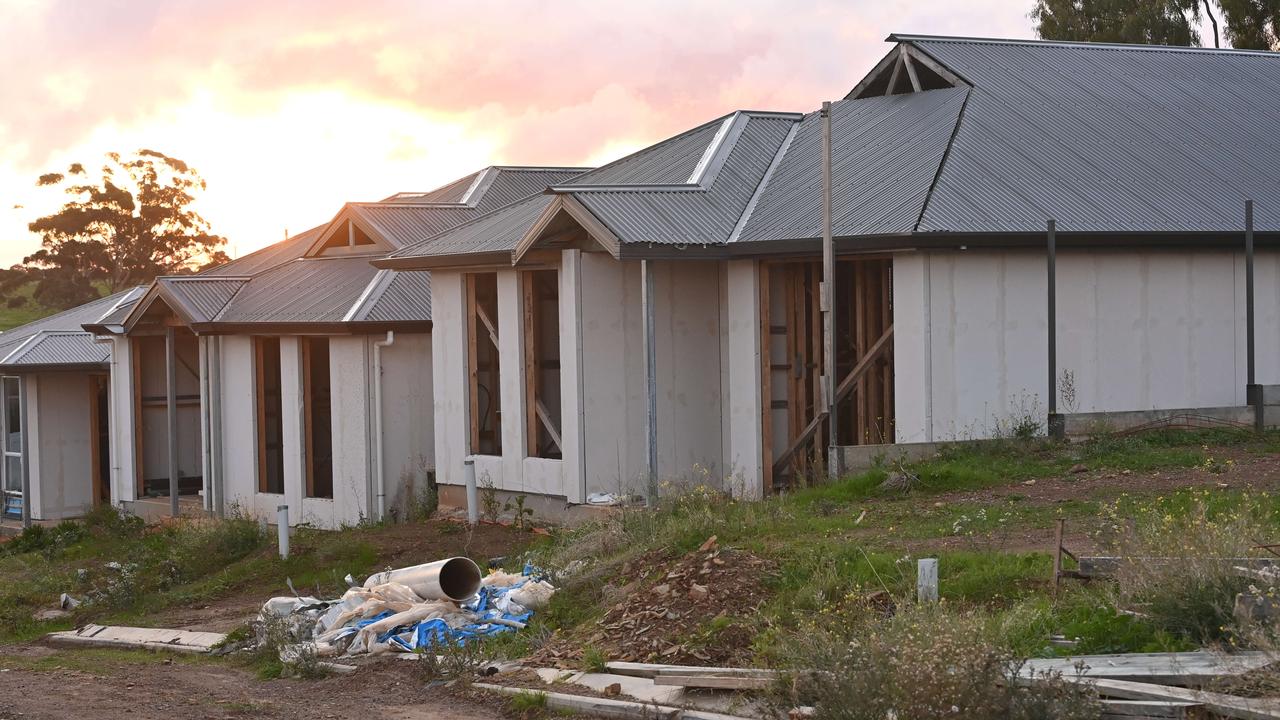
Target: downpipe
pixel 378 451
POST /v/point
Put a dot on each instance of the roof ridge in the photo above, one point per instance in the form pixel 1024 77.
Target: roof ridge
pixel 910 38
pixel 764 181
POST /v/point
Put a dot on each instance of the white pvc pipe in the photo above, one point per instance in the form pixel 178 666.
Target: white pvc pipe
pixel 456 579
pixel 378 422
pixel 473 500
pixel 282 530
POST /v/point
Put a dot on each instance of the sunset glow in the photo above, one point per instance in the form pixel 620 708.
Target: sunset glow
pixel 290 109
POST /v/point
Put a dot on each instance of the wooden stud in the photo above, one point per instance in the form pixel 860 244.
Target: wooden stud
pixel 886 319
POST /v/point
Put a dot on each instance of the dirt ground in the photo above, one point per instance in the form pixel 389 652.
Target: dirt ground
pixel 68 683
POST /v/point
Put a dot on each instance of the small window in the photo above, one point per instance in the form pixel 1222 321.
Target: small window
pixel 542 363
pixel 270 415
pixel 483 364
pixel 318 411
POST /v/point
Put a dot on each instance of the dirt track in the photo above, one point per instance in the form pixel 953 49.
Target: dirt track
pixel 86 685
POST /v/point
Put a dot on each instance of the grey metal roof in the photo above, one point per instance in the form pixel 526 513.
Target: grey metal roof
pixel 309 290
pixel 698 215
pixel 60 339
pixel 498 231
pixel 205 296
pixel 403 297
pixel 885 154
pixel 404 221
pixel 489 189
pixel 1107 138
pixel 50 349
pixel 269 256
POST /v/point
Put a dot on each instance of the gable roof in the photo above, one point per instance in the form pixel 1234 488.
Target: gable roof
pixel 59 342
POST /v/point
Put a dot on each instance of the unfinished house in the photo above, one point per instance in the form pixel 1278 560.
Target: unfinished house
pixel 55 414
pixel 299 375
pixel 684 280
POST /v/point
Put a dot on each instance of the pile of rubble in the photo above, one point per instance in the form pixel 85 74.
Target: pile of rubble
pixel 436 604
pixel 664 617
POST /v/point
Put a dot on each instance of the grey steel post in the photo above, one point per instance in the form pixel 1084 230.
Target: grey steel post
pixel 828 300
pixel 282 530
pixel 650 381
pixel 171 413
pixel 473 493
pixel 1252 390
pixel 1052 308
pixel 26 452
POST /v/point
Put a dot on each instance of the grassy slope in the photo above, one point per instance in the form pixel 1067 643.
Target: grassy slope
pixel 832 544
pixel 845 540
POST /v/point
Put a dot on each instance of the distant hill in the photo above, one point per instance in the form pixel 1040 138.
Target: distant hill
pixel 17 308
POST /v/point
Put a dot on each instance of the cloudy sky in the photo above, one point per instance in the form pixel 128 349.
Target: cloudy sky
pixel 289 109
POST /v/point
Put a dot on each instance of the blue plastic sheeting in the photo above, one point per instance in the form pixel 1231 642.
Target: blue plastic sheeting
pixel 491 607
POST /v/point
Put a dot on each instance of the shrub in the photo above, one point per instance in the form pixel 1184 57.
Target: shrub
pixel 1177 569
pixel 924 663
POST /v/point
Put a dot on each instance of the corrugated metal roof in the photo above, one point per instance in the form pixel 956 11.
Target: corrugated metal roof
pixel 204 295
pixel 1107 138
pixel 405 223
pixel 496 232
pixel 668 162
pixel 490 188
pixel 52 348
pixel 885 154
pixel 405 298
pixel 307 290
pixel 60 339
pixel 694 215
pixel 450 192
pixel 268 257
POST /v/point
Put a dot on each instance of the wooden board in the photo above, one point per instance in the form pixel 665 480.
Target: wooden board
pixel 187 641
pixel 1187 668
pixel 1219 704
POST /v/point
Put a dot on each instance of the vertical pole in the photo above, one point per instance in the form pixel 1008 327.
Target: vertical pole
pixel 650 380
pixel 828 300
pixel 282 530
pixel 1055 428
pixel 25 449
pixel 1253 392
pixel 171 414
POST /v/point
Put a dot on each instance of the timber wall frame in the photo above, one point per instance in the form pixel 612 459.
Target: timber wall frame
pixel 791 375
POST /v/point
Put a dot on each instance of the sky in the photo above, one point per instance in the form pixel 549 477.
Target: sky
pixel 290 109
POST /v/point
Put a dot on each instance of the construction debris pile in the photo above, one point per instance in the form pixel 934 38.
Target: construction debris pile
pixel 436 604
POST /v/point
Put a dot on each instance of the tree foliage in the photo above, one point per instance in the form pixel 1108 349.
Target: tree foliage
pixel 1246 23
pixel 125 227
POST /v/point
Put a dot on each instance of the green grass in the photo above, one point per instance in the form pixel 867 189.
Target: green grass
pixel 848 539
pixel 163 566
